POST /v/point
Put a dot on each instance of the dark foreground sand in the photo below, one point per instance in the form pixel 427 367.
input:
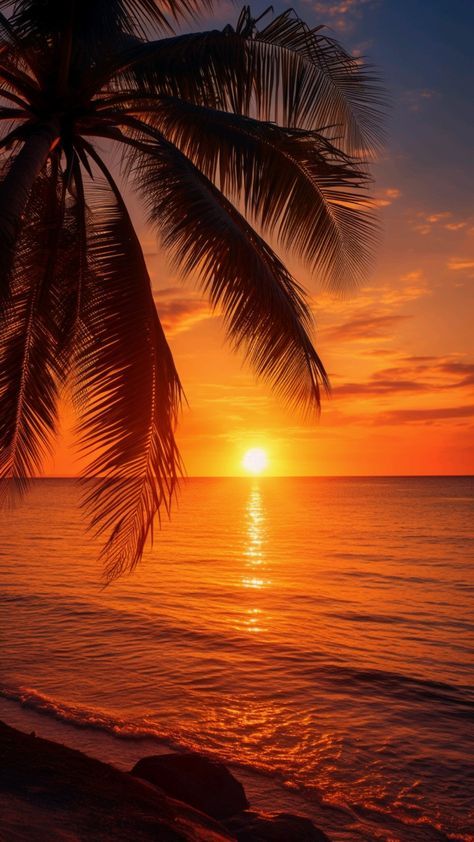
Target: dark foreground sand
pixel 51 793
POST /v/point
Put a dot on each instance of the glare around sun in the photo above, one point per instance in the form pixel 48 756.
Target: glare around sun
pixel 255 460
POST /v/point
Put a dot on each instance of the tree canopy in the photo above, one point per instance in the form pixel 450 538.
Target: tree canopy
pixel 236 139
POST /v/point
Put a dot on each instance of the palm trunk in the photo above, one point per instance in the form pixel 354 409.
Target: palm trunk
pixel 16 187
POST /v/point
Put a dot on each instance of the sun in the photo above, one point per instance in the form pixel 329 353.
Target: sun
pixel 255 460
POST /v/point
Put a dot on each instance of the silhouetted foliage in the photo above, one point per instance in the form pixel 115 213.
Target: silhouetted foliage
pixel 230 136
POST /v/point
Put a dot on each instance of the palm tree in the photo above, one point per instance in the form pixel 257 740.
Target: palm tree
pixel 231 136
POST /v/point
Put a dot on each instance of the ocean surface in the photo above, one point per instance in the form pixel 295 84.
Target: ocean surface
pixel 316 634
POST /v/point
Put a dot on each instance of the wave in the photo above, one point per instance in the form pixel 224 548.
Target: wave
pixel 338 674
pixel 82 717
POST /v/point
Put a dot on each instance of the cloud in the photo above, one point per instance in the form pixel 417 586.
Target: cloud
pixel 428 375
pixel 385 197
pixel 437 217
pixel 374 300
pixel 414 275
pixel 424 416
pixel 457 367
pixel 424 222
pixel 455 226
pixel 443 372
pixel 415 98
pixel 375 314
pixel 420 359
pixel 365 327
pixel 180 310
pixel 457 264
pixel 378 388
pixel 463 370
pixel 341 14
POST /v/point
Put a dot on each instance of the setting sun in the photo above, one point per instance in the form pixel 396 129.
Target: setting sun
pixel 255 460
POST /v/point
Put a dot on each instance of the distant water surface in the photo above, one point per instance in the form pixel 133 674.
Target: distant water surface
pixel 315 633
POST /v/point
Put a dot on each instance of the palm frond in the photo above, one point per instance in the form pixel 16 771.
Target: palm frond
pixel 7 32
pixel 15 190
pixel 286 72
pixel 202 67
pixel 12 114
pixel 29 365
pixel 264 308
pixel 309 80
pixel 13 46
pixel 95 20
pixel 294 183
pixel 13 79
pixel 127 386
pixel 72 269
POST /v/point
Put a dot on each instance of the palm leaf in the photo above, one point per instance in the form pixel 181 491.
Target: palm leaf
pixel 95 20
pixel 308 79
pixel 72 269
pixel 13 47
pixel 127 386
pixel 286 72
pixel 295 184
pixel 264 309
pixel 29 365
pixel 15 190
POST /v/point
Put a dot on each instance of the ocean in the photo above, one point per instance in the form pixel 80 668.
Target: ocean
pixel 316 634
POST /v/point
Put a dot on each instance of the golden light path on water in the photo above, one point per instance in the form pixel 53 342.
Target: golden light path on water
pixel 255 556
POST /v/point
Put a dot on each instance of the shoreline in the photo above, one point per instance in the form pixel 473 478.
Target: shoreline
pixel 54 793
pixel 264 789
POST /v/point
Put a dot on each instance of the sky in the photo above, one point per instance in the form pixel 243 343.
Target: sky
pixel 400 351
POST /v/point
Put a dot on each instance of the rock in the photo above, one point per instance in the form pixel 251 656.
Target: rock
pixel 195 779
pixel 275 827
pixel 51 793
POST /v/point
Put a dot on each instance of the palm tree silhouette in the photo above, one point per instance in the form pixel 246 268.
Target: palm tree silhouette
pixel 230 136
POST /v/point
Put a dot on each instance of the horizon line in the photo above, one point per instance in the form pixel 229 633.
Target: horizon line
pixel 282 476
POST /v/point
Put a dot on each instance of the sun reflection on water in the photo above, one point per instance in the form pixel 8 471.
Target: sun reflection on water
pixel 255 559
pixel 255 528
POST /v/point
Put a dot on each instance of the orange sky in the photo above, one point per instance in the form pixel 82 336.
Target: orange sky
pixel 400 352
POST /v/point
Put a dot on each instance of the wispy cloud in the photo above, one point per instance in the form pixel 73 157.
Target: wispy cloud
pixel 458 264
pixel 386 197
pixel 429 415
pixel 424 222
pixel 180 310
pixel 427 375
pixel 378 299
pixel 342 15
pixel 437 217
pixel 455 226
pixel 378 388
pixel 365 328
pixel 415 99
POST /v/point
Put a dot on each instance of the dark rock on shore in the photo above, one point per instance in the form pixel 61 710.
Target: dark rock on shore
pixel 197 780
pixel 51 793
pixel 208 786
pixel 274 827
